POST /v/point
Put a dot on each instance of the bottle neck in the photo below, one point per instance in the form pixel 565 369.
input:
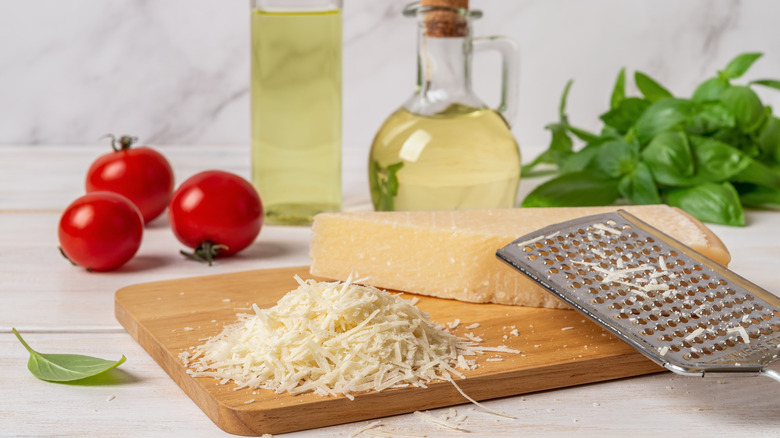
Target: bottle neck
pixel 443 74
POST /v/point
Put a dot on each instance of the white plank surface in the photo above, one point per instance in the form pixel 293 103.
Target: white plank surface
pixel 62 309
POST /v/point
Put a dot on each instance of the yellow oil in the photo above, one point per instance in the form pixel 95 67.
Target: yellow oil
pixel 461 158
pixel 296 113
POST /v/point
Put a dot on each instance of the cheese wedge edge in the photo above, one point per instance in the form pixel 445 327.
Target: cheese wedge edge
pixel 451 254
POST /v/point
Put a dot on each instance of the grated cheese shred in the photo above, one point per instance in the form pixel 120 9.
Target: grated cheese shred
pixel 334 338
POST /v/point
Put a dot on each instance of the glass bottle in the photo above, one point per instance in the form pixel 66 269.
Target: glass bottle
pixel 296 107
pixel 444 148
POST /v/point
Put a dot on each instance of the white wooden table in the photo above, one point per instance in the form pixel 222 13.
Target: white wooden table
pixel 59 308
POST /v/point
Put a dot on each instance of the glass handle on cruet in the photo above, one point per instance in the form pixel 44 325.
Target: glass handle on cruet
pixel 510 69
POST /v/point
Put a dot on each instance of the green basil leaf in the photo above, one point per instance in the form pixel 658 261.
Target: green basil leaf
pixel 557 152
pixel 626 114
pixel 529 170
pixel 384 185
pixel 757 196
pixel 608 132
pixel 652 90
pixel 716 161
pixel 708 118
pixel 619 91
pixel 582 134
pixel 758 173
pixel 392 178
pixel 739 65
pixel 771 83
pixel 550 156
pixel 583 158
pixel 710 89
pixel 639 186
pixel 739 140
pixel 746 107
pixel 617 158
pixel 709 202
pixel 65 367
pixel 769 139
pixel 669 158
pixel 664 115
pixel 560 138
pixel 577 189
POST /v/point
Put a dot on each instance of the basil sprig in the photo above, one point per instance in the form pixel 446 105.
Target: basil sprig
pixel 65 367
pixel 710 154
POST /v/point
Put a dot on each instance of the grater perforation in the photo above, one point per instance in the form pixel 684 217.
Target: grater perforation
pixel 679 308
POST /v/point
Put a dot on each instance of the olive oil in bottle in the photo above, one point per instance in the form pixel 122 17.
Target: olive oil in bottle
pixel 461 158
pixel 445 149
pixel 296 112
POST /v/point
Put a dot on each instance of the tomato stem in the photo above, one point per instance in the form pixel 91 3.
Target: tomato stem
pixel 122 143
pixel 205 252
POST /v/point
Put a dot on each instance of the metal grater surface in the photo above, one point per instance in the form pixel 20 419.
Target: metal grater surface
pixel 674 305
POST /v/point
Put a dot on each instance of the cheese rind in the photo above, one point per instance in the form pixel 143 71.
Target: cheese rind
pixel 451 254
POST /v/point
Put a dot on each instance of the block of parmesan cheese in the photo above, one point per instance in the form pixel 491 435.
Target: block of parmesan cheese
pixel 451 254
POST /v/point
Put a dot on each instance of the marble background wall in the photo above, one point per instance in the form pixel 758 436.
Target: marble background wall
pixel 176 72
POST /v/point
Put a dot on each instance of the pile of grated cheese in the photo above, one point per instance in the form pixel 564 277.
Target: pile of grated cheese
pixel 334 338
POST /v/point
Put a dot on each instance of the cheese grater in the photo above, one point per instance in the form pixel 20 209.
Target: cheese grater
pixel 671 303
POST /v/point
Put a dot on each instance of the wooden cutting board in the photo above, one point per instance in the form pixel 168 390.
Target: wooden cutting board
pixel 560 348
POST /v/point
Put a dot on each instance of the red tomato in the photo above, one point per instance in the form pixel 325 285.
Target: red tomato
pixel 141 174
pixel 100 231
pixel 216 213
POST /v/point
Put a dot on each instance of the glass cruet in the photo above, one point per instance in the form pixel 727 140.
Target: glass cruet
pixel 445 149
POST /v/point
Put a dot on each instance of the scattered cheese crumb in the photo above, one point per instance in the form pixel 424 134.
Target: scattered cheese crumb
pixel 110 397
pixel 425 416
pixel 454 324
pixel 472 326
pixel 567 328
pixel 742 333
pixel 473 337
pixel 485 408
pixel 694 333
pixel 607 229
pixel 368 426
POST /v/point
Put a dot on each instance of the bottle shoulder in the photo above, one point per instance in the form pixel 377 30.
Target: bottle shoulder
pixel 461 132
pixel 455 119
pixel 434 102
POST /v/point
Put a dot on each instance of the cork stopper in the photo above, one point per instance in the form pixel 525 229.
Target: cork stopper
pixel 443 23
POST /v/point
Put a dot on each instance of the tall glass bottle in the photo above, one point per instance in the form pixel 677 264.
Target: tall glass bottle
pixel 444 148
pixel 296 107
